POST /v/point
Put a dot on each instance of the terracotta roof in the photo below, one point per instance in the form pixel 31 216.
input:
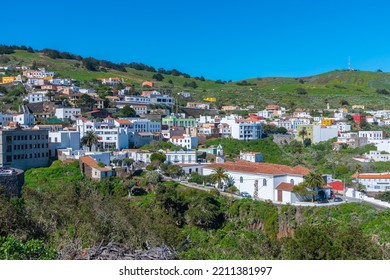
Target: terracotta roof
pixel 93 163
pixel 260 167
pixel 373 176
pixel 336 185
pixel 177 137
pixel 123 121
pixel 285 187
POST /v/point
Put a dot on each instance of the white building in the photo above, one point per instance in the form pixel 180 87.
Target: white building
pixel 5 119
pixel 185 140
pixel 265 114
pixel 60 82
pixel 263 180
pixel 206 119
pixel 137 99
pixel 109 136
pixel 381 145
pixel 62 140
pixel 295 122
pixel 68 113
pixel 225 130
pixel 243 129
pixel 340 115
pixel 161 99
pixel 323 133
pixel 376 156
pixel 372 135
pixel 251 156
pixel 374 182
pixel 140 109
pixel 142 131
pixel 181 157
pixel 37 97
pixel 172 157
pixel 26 119
pixel 36 81
pixel 341 126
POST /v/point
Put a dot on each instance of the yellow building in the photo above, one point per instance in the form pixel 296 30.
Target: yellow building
pixel 308 134
pixel 210 99
pixel 326 122
pixel 358 107
pixel 6 80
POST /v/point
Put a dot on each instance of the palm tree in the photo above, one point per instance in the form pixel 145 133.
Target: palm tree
pixel 314 180
pixel 219 174
pixel 89 139
pixel 303 133
pixel 357 170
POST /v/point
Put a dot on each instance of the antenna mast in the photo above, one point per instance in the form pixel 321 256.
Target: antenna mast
pixel 349 63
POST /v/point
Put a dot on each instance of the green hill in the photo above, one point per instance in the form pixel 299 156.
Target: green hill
pixel 336 87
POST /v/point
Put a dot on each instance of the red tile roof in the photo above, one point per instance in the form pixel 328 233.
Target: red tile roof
pixel 372 176
pixel 93 163
pixel 123 121
pixel 260 167
pixel 285 187
pixel 336 185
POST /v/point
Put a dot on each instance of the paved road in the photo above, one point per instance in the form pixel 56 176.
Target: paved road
pixel 379 207
pixel 198 187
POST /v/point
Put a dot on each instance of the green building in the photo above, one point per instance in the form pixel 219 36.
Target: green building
pixel 174 120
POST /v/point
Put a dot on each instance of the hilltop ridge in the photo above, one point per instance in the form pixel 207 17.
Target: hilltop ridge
pixel 338 87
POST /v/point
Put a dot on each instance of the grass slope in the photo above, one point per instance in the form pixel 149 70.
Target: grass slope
pixel 354 87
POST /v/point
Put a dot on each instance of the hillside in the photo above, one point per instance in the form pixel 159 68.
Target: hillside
pixel 336 87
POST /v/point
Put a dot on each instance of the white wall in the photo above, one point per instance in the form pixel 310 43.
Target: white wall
pixel 264 192
pixel 322 134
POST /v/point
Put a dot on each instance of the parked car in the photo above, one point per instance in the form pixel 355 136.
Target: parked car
pixel 246 195
pixel 337 199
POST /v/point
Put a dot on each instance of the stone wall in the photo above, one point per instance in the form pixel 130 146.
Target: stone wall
pixel 11 185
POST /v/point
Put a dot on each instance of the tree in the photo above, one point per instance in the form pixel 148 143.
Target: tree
pixel 89 139
pixel 219 174
pixel 303 133
pixel 90 63
pixel 158 77
pixel 174 170
pixel 314 180
pixel 152 177
pixel 357 170
pixel 160 157
pixel 125 112
pixel 128 162
pixel 302 190
pixel 301 91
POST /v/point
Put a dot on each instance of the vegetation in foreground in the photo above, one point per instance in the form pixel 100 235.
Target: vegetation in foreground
pixel 55 220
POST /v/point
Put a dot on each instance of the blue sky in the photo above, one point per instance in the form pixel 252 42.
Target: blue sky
pixel 219 40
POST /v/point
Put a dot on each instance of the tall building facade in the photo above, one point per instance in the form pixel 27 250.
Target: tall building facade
pixel 24 148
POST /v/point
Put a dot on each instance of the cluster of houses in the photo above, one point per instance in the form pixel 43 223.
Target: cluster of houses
pixel 24 143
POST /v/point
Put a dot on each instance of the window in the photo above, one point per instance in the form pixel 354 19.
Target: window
pixel 264 182
pixel 292 182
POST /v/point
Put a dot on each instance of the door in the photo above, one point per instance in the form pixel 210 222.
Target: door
pixel 280 195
